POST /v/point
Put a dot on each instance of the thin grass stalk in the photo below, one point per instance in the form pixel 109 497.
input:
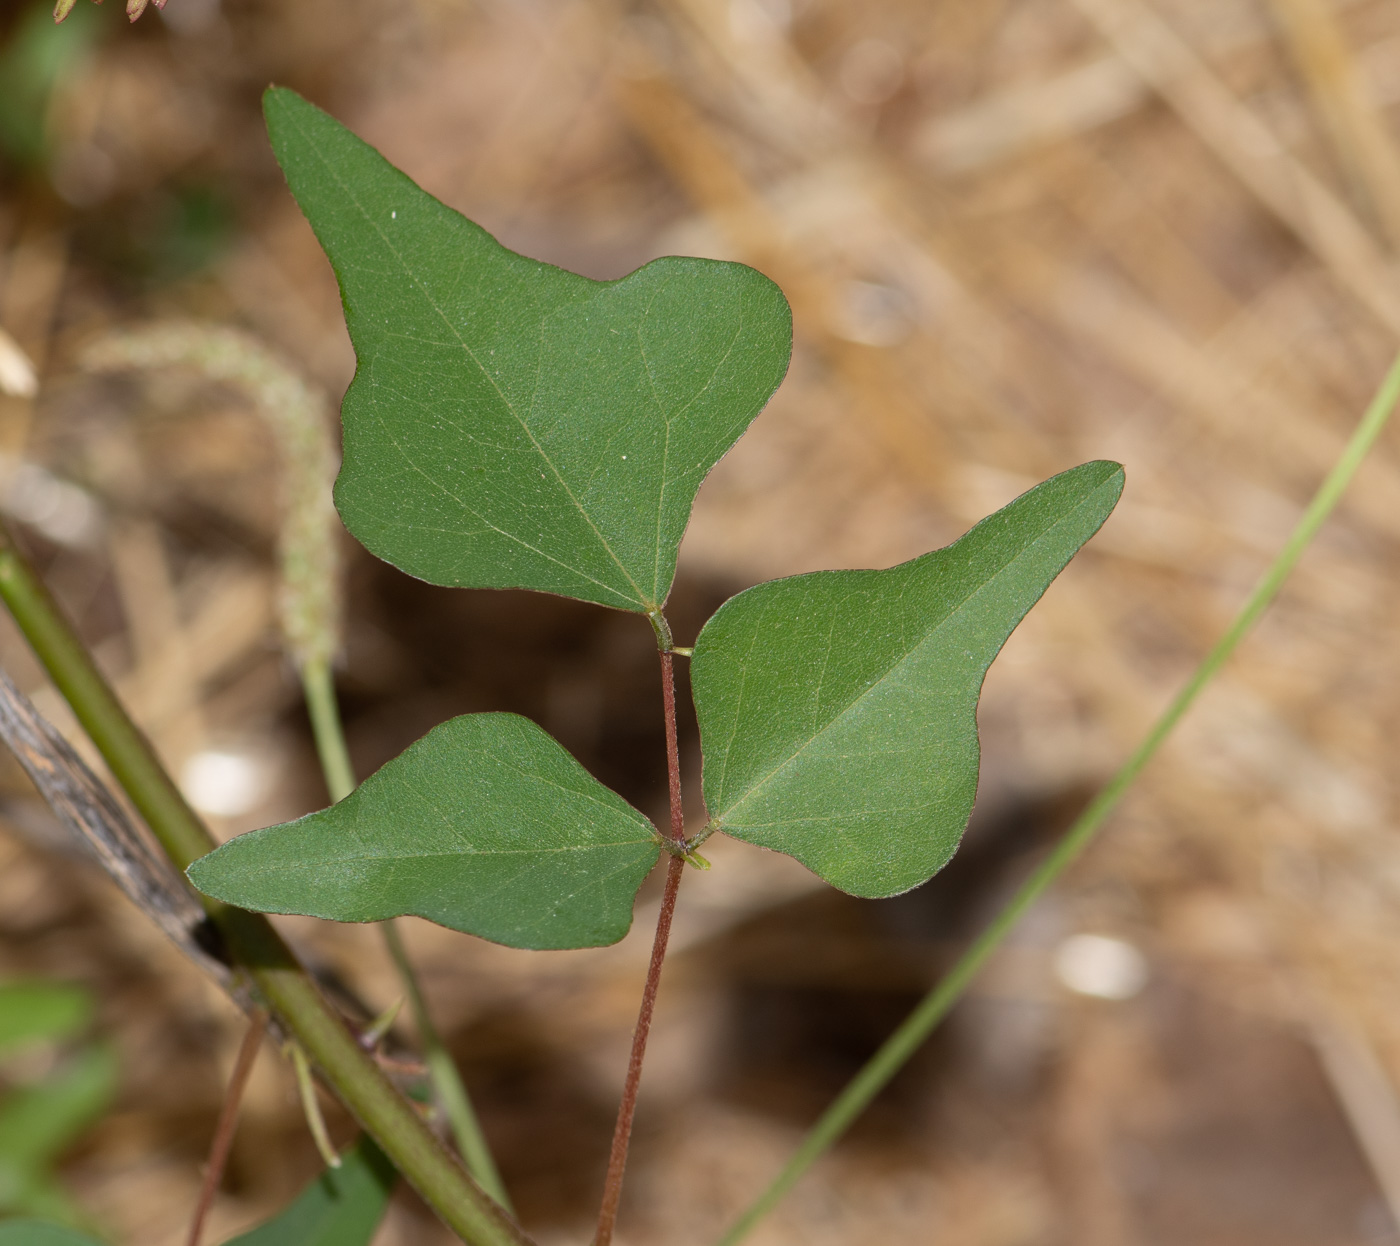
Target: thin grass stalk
pixel 936 1005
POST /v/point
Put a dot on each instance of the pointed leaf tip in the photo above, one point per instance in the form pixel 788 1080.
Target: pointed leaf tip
pixel 838 710
pixel 486 825
pixel 510 424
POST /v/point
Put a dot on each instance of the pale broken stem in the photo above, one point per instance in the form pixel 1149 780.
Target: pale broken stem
pixel 326 725
pixel 228 1121
pixel 311 1106
pixel 675 866
pixel 936 1005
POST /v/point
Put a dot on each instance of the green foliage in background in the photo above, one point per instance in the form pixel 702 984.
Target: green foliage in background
pixel 41 1233
pixel 35 59
pixel 35 1012
pixel 42 1117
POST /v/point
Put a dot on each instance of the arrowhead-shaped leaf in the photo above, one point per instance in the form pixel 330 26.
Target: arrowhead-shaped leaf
pixel 838 711
pixel 513 425
pixel 486 825
pixel 342 1207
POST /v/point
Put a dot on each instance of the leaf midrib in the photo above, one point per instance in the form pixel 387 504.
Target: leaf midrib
pixel 281 867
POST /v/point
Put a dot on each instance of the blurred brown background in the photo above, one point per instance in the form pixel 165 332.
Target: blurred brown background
pixel 1016 234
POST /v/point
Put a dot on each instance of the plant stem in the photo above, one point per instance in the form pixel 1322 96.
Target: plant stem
pixel 253 944
pixel 673 752
pixel 939 1001
pixel 318 686
pixel 627 1109
pixel 228 1120
pixel 328 728
pixel 125 749
pixel 675 867
pixel 456 1103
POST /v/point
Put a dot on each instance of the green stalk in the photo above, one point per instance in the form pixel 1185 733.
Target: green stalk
pixel 451 1092
pixel 326 725
pixel 939 1001
pixel 324 710
pixel 254 945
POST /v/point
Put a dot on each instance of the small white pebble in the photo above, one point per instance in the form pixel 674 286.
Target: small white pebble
pixel 1097 965
pixel 16 372
pixel 224 783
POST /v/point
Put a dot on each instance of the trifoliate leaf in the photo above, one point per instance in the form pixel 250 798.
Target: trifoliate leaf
pixel 513 425
pixel 486 825
pixel 838 710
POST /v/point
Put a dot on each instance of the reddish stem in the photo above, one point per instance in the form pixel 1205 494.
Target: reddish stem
pixel 622 1134
pixel 673 755
pixel 228 1119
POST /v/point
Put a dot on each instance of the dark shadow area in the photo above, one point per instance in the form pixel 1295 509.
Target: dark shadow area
pixel 814 987
pixel 419 654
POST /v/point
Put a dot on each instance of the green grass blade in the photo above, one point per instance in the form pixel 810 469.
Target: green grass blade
pixel 935 1006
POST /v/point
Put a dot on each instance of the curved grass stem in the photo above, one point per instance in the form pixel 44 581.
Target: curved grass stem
pixel 939 1001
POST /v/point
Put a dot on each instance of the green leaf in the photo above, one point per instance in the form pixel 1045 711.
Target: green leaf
pixel 486 825
pixel 32 1012
pixel 38 1233
pixel 342 1207
pixel 838 711
pixel 38 1122
pixel 513 425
